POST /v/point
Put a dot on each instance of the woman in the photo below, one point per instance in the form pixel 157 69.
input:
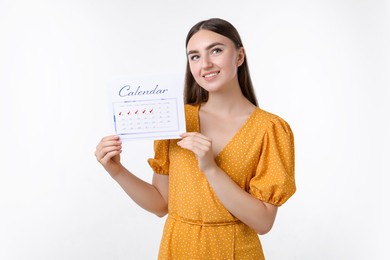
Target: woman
pixel 229 173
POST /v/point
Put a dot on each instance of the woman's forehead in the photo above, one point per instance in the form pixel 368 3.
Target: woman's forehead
pixel 203 38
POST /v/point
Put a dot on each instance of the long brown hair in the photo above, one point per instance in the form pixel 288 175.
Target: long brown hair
pixel 195 94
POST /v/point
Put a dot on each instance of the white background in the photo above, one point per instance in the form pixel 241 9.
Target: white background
pixel 321 65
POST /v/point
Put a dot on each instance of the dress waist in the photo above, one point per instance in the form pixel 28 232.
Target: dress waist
pixel 203 223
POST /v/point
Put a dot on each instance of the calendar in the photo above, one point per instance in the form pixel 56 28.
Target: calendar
pixel 148 107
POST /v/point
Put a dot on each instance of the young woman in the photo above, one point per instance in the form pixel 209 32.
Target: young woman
pixel 223 181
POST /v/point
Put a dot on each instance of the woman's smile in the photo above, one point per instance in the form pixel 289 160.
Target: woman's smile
pixel 210 75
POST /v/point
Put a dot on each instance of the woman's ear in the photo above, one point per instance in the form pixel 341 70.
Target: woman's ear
pixel 240 56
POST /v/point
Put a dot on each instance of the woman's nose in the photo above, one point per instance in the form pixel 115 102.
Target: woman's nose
pixel 206 62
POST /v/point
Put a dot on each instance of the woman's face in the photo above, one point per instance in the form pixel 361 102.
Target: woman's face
pixel 213 60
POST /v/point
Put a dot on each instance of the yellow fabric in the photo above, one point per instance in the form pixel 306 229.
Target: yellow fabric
pixel 259 158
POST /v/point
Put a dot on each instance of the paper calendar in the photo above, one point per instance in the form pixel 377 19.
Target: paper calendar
pixel 148 107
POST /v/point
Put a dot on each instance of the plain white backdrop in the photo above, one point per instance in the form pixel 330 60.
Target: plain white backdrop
pixel 321 65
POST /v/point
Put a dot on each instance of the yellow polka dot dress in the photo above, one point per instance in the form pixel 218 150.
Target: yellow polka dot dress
pixel 259 158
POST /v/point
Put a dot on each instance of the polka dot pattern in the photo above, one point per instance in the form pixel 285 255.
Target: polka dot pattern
pixel 259 158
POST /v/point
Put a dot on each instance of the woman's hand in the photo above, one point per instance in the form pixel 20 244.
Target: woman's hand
pixel 108 154
pixel 201 146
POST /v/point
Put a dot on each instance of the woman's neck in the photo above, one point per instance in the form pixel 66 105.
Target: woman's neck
pixel 228 103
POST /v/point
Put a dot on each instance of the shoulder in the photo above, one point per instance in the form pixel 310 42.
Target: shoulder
pixel 267 117
pixel 267 120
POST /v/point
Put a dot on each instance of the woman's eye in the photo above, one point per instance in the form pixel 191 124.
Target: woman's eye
pixel 194 57
pixel 216 50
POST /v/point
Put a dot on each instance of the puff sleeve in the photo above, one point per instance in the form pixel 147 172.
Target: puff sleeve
pixel 160 162
pixel 274 180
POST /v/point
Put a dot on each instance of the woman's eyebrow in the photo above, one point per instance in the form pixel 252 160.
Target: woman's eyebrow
pixel 212 45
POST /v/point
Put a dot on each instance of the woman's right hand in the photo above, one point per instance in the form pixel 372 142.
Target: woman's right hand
pixel 108 154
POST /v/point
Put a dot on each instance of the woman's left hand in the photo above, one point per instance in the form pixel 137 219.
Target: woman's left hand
pixel 201 146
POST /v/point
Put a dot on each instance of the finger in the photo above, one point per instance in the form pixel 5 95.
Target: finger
pixel 107 141
pixel 195 139
pixel 100 154
pixel 108 144
pixel 110 137
pixel 195 134
pixel 197 147
pixel 193 148
pixel 107 157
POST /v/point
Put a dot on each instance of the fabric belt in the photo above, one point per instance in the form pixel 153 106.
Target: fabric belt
pixel 203 223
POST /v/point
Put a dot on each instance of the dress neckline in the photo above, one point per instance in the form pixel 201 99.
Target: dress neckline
pixel 235 136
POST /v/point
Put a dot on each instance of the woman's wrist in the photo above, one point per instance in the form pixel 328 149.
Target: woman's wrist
pixel 117 172
pixel 212 171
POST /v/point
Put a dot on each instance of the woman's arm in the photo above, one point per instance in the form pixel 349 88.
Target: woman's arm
pixel 255 213
pixel 152 197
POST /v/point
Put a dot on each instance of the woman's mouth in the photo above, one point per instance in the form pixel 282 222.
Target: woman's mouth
pixel 210 75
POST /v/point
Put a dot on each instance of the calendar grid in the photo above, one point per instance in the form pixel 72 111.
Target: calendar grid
pixel 146 116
